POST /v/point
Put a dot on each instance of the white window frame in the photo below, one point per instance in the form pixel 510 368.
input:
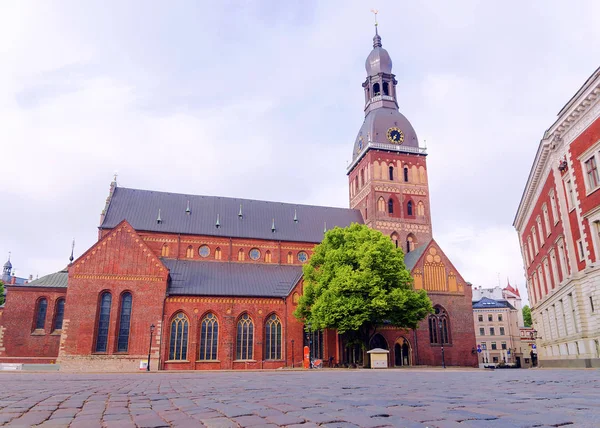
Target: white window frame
pixel 538 221
pixel 562 256
pixel 530 247
pixel 547 274
pixel 580 251
pixel 540 271
pixel 554 266
pixel 536 247
pixel 569 192
pixel 589 187
pixel 546 219
pixel 553 206
pixel 594 224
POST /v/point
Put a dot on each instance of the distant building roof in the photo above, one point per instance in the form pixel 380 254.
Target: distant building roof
pixel 141 209
pixel 56 280
pixel 198 278
pixel 486 303
pixel 411 259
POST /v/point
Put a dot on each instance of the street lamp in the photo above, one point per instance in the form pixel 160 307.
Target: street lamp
pixel 442 342
pixel 150 347
pixel 292 353
pixel 309 342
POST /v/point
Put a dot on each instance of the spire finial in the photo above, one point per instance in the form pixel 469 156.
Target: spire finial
pixel 9 256
pixel 188 210
pixel 115 177
pixel 295 216
pixel 240 215
pixel 273 226
pixel 218 223
pixel 71 258
pixel 376 39
pixel 158 219
pixel 325 228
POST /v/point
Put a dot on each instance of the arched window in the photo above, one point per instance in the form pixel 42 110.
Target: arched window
pixel 241 254
pixel 390 206
pixel 189 253
pixel 409 208
pixel 420 209
pixel 124 323
pixel 103 322
pixel 273 338
pixel 290 258
pixel 218 253
pixel 376 89
pixel 405 174
pixel 165 251
pixel 40 313
pixel 381 204
pixel 410 243
pixel 386 88
pixel 362 177
pixel 209 335
pixel 439 327
pixel 245 338
pixel 391 170
pixel 179 338
pixel 59 314
pixel 395 239
pixel 268 257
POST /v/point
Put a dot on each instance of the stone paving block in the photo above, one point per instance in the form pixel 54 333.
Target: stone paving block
pixel 284 419
pixel 219 423
pixel 30 418
pixel 250 421
pixel 56 423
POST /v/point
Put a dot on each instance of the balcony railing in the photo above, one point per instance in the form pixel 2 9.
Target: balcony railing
pixel 389 147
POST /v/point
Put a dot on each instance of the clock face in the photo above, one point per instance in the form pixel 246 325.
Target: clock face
pixel 360 142
pixel 395 135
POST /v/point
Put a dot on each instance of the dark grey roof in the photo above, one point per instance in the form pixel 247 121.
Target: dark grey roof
pixel 199 278
pixel 487 303
pixel 56 280
pixel 140 209
pixel 411 259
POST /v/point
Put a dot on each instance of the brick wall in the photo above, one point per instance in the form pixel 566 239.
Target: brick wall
pixel 18 337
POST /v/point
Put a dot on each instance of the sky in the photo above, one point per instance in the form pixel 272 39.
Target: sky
pixel 263 100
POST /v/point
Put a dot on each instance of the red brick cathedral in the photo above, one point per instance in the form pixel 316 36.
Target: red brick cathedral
pixel 206 282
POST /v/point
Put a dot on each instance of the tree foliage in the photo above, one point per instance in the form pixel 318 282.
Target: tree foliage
pixel 527 316
pixel 356 280
pixel 1 293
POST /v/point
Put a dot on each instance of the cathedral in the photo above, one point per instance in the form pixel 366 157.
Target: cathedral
pixel 191 282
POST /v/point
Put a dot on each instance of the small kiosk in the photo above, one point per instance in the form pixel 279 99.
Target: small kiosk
pixel 379 358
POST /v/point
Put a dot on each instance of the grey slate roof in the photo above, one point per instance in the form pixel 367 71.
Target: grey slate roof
pixel 411 259
pixel 487 303
pixel 200 278
pixel 56 280
pixel 140 209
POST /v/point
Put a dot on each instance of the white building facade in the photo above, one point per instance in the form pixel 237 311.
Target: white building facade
pixel 558 223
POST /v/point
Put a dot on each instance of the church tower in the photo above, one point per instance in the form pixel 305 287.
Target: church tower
pixel 388 173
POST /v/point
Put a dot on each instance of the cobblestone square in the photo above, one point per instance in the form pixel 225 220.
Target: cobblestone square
pixel 327 398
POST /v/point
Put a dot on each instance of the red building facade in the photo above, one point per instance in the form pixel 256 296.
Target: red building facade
pixel 558 222
pixel 218 279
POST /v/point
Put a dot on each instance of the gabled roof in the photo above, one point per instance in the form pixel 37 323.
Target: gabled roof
pixel 411 259
pixel 141 207
pixel 54 280
pixel 200 278
pixel 486 303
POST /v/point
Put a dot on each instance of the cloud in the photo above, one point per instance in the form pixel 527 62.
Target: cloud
pixel 264 99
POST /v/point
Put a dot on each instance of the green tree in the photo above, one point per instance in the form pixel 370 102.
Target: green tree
pixel 527 316
pixel 355 281
pixel 1 293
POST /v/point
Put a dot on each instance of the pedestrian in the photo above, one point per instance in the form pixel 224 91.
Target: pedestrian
pixel 331 361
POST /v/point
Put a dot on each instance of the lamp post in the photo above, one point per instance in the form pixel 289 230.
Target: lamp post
pixel 309 343
pixel 442 342
pixel 292 353
pixel 150 347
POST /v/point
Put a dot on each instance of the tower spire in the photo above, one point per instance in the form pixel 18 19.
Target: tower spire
pixel 377 38
pixel 71 258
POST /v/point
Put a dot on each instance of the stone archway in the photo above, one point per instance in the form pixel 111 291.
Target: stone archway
pixel 402 353
pixel 378 341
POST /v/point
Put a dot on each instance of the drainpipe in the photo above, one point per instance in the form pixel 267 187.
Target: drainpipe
pixel 416 348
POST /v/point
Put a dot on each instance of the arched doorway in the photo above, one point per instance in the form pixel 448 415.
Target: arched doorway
pixel 402 353
pixel 378 341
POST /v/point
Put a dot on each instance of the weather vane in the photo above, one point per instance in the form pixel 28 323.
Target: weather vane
pixel 375 12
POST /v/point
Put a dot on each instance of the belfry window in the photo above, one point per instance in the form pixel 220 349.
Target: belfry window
pixel 273 338
pixel 103 322
pixel 376 89
pixel 42 308
pixel 386 88
pixel 409 208
pixel 406 174
pixel 391 206
pixel 391 170
pixel 209 335
pixel 179 338
pixel 124 323
pixel 439 327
